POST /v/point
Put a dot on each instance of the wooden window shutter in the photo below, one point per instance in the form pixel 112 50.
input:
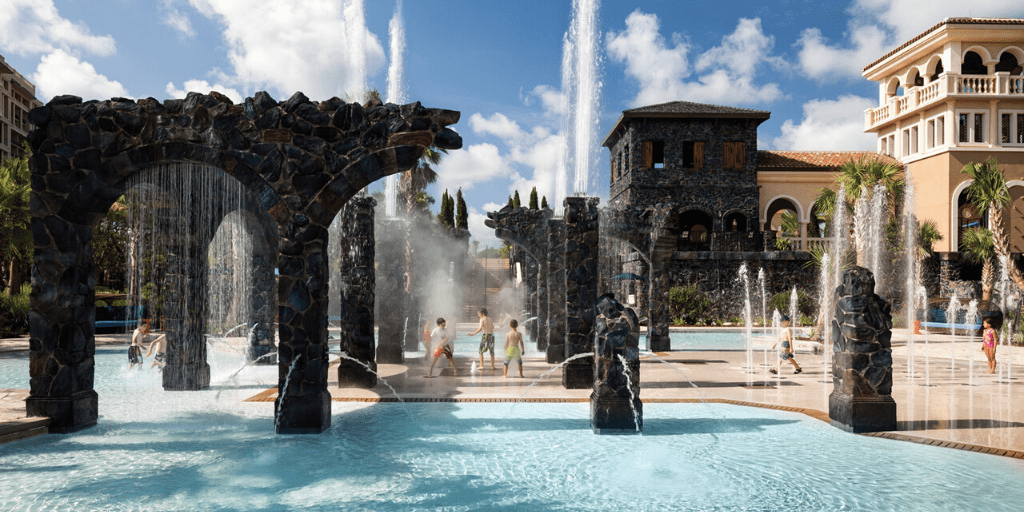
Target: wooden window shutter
pixel 648 154
pixel 698 155
pixel 734 156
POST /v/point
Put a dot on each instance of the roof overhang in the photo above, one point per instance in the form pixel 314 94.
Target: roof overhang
pixel 614 134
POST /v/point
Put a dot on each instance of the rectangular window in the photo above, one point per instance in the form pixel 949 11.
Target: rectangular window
pixel 971 127
pixel 1004 128
pixel 1011 128
pixel 940 130
pixel 906 142
pixel 653 154
pixel 734 155
pixel 1020 128
pixel 979 127
pixel 963 130
pixel 892 145
pixel 930 135
pixel 883 148
pixel 913 140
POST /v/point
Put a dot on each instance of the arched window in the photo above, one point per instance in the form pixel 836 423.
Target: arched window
pixel 1008 62
pixel 736 221
pixel 694 230
pixel 916 79
pixel 938 71
pixel 973 65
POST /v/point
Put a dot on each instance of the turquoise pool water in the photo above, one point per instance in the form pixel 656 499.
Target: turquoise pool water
pixel 208 450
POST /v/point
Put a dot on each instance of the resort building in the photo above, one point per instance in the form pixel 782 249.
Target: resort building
pixel 17 97
pixel 953 95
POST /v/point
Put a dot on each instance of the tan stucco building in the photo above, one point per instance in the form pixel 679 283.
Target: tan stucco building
pixel 953 95
pixel 17 97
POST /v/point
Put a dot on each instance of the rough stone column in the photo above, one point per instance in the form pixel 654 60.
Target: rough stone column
pixel 556 292
pixel 862 367
pixel 62 342
pixel 658 315
pixel 186 367
pixel 356 292
pixel 532 274
pixel 303 404
pixel 581 257
pixel 615 406
pixel 390 280
pixel 542 290
pixel 263 302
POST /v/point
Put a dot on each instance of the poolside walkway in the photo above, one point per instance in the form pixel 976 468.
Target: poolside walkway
pixel 936 405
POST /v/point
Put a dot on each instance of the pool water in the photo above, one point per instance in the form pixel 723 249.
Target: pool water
pixel 158 450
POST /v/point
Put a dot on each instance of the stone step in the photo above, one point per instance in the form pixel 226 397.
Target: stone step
pixel 23 428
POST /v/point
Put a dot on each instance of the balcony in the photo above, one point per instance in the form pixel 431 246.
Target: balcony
pixel 1000 85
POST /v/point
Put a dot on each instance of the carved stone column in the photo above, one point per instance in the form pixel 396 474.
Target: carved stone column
pixel 658 315
pixel 532 274
pixel 263 303
pixel 581 258
pixel 356 292
pixel 615 406
pixel 390 292
pixel 556 292
pixel 303 403
pixel 862 367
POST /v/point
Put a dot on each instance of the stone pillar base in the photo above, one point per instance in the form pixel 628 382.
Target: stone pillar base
pixel 659 343
pixel 258 355
pixel 353 375
pixel 613 415
pixel 67 414
pixel 303 414
pixel 555 354
pixel 579 374
pixel 186 377
pixel 390 354
pixel 859 415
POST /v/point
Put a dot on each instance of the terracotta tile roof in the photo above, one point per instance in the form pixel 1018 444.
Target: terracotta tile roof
pixel 686 107
pixel 949 21
pixel 814 160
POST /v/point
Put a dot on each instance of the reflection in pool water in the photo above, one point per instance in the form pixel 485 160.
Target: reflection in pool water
pixel 157 450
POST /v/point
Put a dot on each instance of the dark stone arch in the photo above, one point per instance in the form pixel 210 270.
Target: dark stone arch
pixel 285 153
pixel 695 227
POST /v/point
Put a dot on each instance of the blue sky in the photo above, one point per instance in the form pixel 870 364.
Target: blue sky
pixel 498 62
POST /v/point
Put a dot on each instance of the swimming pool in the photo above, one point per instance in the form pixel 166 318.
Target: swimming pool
pixel 157 450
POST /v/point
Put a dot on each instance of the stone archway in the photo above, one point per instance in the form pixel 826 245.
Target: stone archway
pixel 301 160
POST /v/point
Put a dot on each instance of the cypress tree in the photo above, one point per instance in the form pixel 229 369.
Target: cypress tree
pixel 444 206
pixel 544 202
pixel 510 202
pixel 462 214
pixel 449 212
pixel 516 203
pixel 533 199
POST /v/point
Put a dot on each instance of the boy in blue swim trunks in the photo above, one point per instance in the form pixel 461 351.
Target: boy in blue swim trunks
pixel 487 338
pixel 786 352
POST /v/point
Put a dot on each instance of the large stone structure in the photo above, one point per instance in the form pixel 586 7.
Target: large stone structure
pixel 356 293
pixel 581 258
pixel 302 160
pixel 862 367
pixel 615 405
pixel 555 352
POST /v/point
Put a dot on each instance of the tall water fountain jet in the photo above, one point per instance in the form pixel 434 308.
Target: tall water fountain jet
pixel 912 277
pixel 840 236
pixel 744 278
pixel 395 94
pixel 794 309
pixel 972 313
pixel 952 313
pixel 581 84
pixel 354 14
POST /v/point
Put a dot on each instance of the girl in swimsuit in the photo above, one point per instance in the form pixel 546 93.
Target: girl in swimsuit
pixel 989 341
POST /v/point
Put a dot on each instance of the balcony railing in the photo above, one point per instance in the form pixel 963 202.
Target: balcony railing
pixel 947 86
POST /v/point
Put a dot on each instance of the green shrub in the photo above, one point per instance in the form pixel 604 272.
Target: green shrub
pixel 14 312
pixel 687 304
pixel 804 304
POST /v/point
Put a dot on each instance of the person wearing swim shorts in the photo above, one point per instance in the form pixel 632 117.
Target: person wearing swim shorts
pixel 786 352
pixel 514 347
pixel 443 342
pixel 160 344
pixel 487 338
pixel 989 341
pixel 135 349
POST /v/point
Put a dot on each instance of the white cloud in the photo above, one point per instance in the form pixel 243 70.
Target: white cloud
pixel 204 87
pixel 176 19
pixel 297 45
pixel 34 26
pixel 553 100
pixel 539 149
pixel 474 164
pixel 62 73
pixel 724 74
pixel 498 125
pixel 829 125
pixel 479 230
pixel 878 26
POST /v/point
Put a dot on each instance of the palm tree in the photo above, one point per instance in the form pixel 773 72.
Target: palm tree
pixel 414 182
pixel 15 233
pixel 978 247
pixel 989 192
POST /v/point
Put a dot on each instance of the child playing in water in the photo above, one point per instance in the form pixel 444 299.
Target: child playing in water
pixel 487 338
pixel 426 342
pixel 160 343
pixel 135 349
pixel 786 352
pixel 514 347
pixel 989 341
pixel 443 343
